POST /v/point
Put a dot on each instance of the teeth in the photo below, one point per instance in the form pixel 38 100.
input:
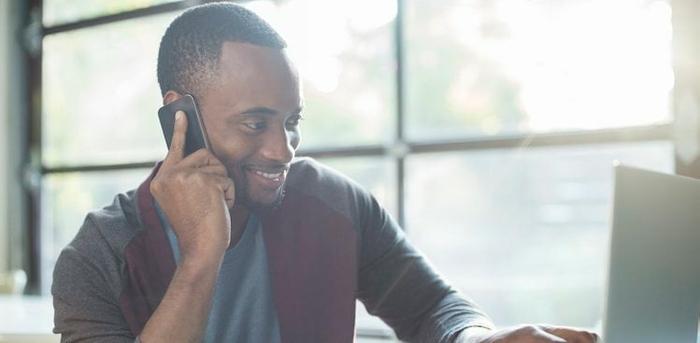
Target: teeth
pixel 271 176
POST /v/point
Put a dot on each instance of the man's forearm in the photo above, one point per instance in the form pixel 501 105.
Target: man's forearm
pixel 182 314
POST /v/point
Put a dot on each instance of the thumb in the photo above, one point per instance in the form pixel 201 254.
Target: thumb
pixel 177 145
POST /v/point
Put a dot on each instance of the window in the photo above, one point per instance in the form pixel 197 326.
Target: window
pixel 524 232
pixel 487 127
pixel 480 68
pixel 96 113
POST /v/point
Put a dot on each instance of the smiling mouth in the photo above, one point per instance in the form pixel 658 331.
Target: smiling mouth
pixel 271 176
pixel 268 178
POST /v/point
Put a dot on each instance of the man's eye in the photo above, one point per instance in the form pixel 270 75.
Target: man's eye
pixel 255 125
pixel 294 120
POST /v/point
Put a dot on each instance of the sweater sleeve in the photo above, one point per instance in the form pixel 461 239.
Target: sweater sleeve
pixel 85 291
pixel 397 284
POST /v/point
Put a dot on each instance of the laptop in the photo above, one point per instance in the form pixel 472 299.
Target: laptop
pixel 654 268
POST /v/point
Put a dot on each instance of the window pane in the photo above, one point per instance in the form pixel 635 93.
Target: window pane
pixel 66 200
pixel 344 52
pixel 64 11
pixel 485 67
pixel 523 232
pixel 101 96
pixel 375 174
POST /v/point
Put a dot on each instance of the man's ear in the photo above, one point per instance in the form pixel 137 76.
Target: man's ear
pixel 171 96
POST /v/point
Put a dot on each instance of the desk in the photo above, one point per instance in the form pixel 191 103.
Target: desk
pixel 29 319
pixel 25 319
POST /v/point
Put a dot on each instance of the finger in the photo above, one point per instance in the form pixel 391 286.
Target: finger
pixel 550 338
pixel 223 183
pixel 177 145
pixel 227 188
pixel 201 158
pixel 219 170
pixel 230 194
pixel 572 335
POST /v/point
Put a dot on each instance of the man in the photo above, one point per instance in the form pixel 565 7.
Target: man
pixel 243 242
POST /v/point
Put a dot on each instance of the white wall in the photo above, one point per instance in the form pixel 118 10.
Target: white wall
pixel 4 125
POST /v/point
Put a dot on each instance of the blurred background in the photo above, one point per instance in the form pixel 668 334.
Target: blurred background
pixel 486 127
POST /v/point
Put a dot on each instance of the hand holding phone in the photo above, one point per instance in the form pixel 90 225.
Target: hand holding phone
pixel 194 190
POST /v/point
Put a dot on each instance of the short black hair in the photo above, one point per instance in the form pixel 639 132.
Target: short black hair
pixel 190 48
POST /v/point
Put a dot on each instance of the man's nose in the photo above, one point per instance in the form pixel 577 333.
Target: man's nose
pixel 277 147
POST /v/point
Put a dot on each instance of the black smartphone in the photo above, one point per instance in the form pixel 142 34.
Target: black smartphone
pixel 196 137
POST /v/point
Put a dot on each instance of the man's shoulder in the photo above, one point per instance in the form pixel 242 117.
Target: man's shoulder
pixel 112 226
pixel 307 168
pixel 328 186
pixel 313 177
pixel 98 247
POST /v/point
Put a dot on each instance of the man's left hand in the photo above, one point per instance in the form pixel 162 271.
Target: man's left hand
pixel 528 334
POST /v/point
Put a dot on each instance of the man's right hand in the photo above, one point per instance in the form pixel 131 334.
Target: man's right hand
pixel 196 194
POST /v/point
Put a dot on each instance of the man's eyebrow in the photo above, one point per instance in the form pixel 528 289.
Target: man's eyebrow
pixel 260 110
pixel 266 111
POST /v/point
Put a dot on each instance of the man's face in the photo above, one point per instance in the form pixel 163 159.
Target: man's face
pixel 251 113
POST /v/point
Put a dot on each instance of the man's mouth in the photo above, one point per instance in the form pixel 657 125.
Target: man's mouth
pixel 271 176
pixel 268 178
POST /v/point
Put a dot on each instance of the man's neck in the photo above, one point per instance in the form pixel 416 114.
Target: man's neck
pixel 239 220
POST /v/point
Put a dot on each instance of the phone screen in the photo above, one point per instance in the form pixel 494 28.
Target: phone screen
pixel 196 137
